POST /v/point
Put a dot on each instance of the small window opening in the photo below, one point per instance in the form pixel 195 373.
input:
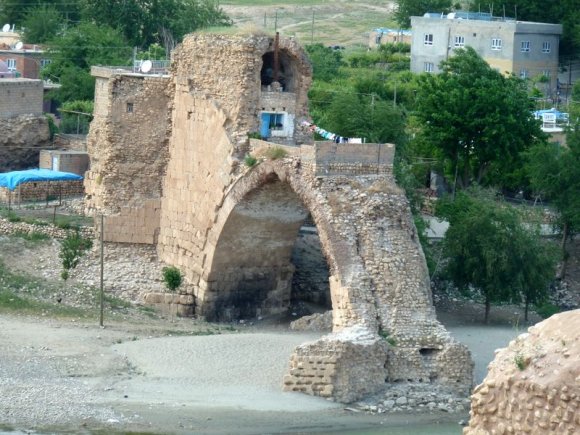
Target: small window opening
pixel 129 107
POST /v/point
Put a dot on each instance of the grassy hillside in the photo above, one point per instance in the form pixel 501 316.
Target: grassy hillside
pixel 343 22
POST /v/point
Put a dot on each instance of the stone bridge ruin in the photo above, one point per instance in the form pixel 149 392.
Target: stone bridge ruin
pixel 167 169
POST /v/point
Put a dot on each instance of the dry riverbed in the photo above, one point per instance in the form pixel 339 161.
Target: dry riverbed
pixel 61 372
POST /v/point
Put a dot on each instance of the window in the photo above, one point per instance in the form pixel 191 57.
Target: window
pixel 546 47
pixel 496 44
pixel 44 62
pixel 129 107
pixel 276 121
pixel 428 38
pixel 429 67
pixel 524 74
pixel 460 41
pixel 11 64
pixel 525 47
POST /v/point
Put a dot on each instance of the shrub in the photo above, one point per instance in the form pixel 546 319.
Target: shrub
pixel 275 153
pixel 172 277
pixel 250 160
pixel 72 249
pixel 520 361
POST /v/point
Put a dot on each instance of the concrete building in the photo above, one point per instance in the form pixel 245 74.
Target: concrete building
pixel 26 61
pixel 381 36
pixel 525 49
pixel 20 97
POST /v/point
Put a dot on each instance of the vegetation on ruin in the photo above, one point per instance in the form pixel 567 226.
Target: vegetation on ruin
pixel 250 160
pixel 275 153
pixel 520 361
pixel 172 278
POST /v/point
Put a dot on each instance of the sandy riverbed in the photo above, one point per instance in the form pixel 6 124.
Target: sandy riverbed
pixel 57 375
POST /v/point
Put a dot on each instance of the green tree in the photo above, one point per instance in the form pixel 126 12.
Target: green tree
pixel 326 62
pixel 475 120
pixel 161 21
pixel 42 24
pixel 410 8
pixel 353 115
pixel 488 249
pixel 554 173
pixel 16 11
pixel 75 51
pixel 76 122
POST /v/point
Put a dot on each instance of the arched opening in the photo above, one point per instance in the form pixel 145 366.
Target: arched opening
pixel 285 70
pixel 264 264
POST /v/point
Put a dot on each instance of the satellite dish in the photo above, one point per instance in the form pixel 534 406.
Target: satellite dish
pixel 18 45
pixel 6 28
pixel 146 66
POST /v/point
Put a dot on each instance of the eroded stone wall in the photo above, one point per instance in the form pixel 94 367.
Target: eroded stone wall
pixel 128 140
pixel 533 385
pixel 21 139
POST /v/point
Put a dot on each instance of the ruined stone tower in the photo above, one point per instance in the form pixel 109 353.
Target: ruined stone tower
pixel 167 168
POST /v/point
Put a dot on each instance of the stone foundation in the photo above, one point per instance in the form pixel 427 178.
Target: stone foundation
pixel 171 303
pixel 344 366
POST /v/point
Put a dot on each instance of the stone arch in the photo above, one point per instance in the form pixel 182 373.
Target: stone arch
pixel 292 200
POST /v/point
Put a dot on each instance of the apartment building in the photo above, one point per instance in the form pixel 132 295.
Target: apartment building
pixel 525 49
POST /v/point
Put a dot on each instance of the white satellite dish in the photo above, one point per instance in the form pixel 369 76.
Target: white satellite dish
pixel 6 28
pixel 146 66
pixel 18 45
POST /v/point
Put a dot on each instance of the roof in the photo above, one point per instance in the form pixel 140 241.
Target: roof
pixel 13 179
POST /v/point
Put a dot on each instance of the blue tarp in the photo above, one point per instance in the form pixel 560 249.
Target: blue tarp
pixel 13 179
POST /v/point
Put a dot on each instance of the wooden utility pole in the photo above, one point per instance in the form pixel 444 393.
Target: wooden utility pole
pixel 102 292
pixel 312 29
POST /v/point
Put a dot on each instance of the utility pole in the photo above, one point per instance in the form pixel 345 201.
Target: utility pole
pixel 276 21
pixel 102 292
pixel 312 29
pixel 264 20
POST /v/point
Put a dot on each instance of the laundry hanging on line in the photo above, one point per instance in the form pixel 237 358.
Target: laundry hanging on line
pixel 331 136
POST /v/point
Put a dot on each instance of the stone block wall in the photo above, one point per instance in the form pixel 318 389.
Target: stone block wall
pixel 72 142
pixel 40 190
pixel 128 140
pixel 355 159
pixel 345 366
pixel 20 97
pixel 136 224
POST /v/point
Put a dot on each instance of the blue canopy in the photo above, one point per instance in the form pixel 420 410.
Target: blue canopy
pixel 13 179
